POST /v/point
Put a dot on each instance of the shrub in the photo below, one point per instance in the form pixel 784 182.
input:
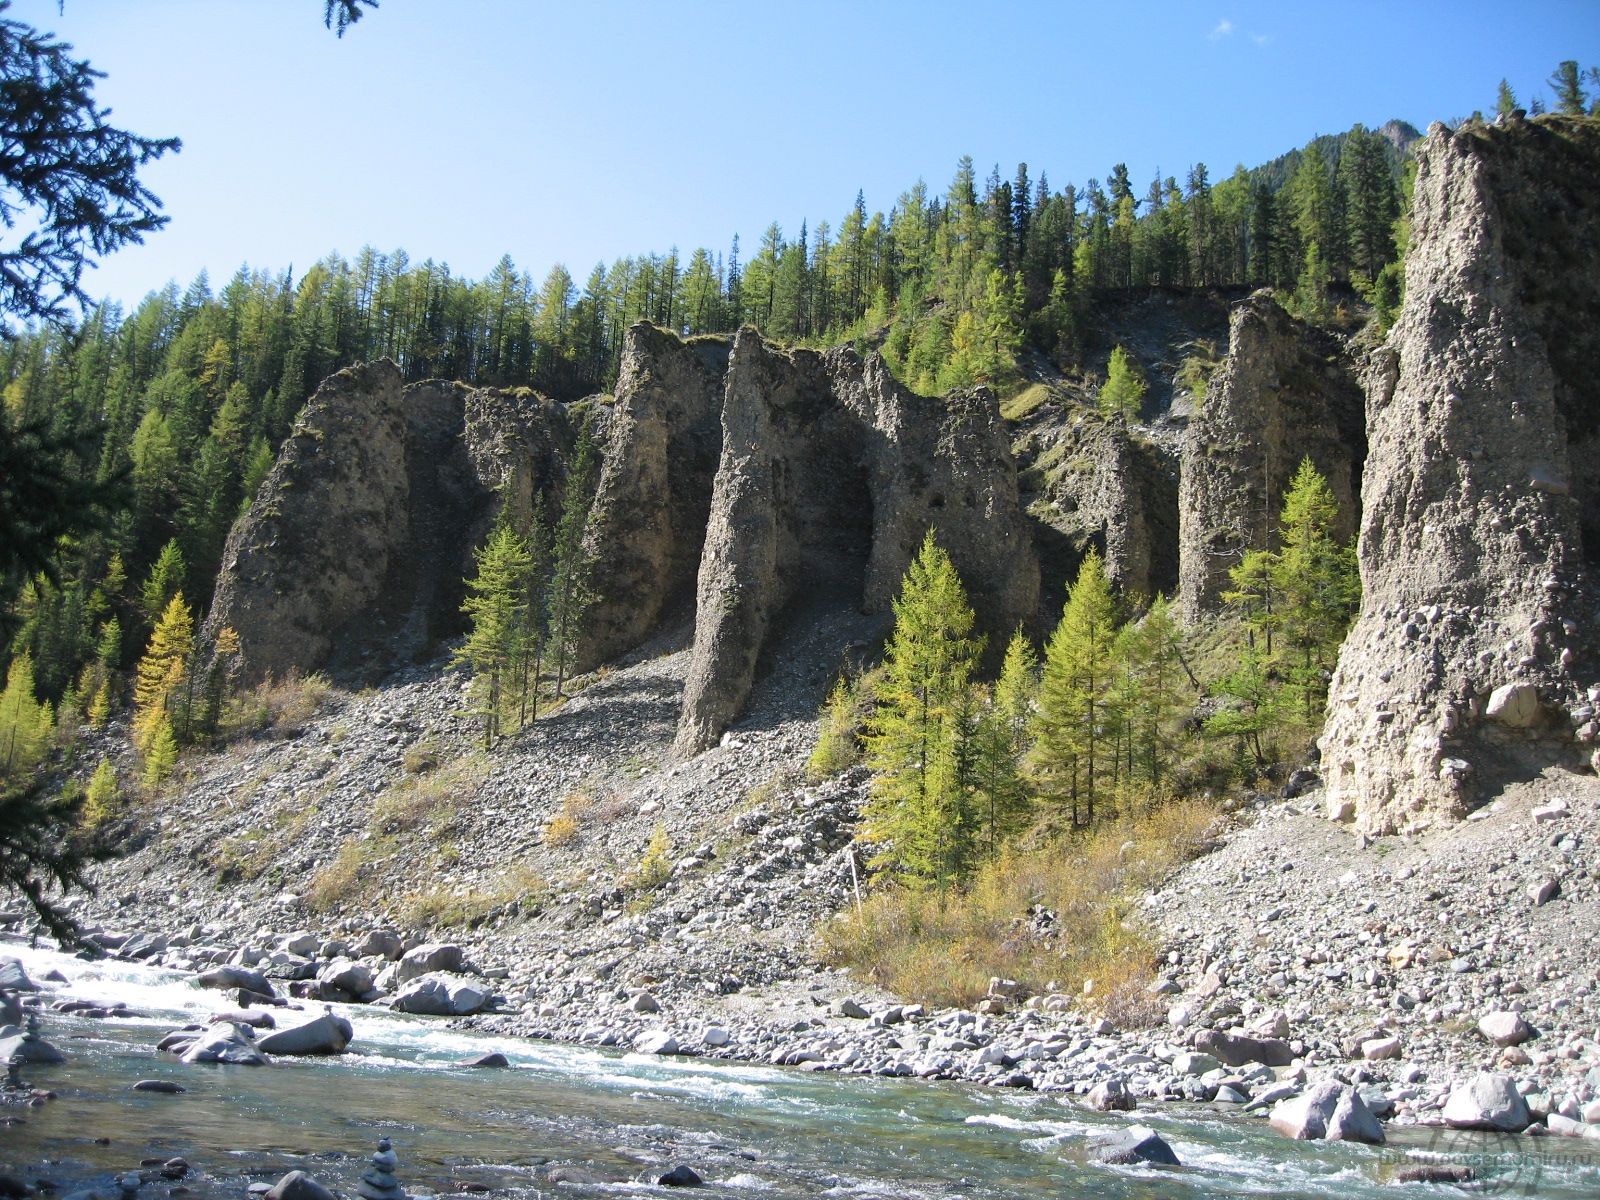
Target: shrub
pixel 943 947
pixel 278 706
pixel 839 740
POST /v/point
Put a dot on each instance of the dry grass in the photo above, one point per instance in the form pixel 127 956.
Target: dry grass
pixel 446 907
pixel 1025 402
pixel 943 948
pixel 426 803
pixel 278 706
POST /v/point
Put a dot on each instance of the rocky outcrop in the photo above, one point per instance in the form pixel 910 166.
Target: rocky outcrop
pixel 830 475
pixel 1285 392
pixel 654 497
pixel 1472 657
pixel 1100 485
pixel 352 554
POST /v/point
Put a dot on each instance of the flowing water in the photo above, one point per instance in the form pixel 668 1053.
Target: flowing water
pixel 748 1130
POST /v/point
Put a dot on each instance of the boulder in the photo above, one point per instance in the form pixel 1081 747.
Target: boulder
pixel 380 943
pixel 1110 1095
pixel 494 1059
pixel 1327 1111
pixel 1195 1063
pixel 13 978
pixel 34 1050
pixel 1237 1050
pixel 1514 704
pixel 1136 1144
pixel 657 1041
pixel 1488 1101
pixel 1505 1028
pixel 298 1185
pixel 681 1175
pixel 226 977
pixel 327 1034
pixel 163 1086
pixel 442 995
pixel 352 978
pixel 302 943
pixel 429 958
pixel 224 1043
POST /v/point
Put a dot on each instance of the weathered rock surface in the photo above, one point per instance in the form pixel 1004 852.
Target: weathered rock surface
pixel 654 496
pixel 1474 563
pixel 1101 485
pixel 442 996
pixel 1488 1101
pixel 830 475
pixel 1285 392
pixel 326 1034
pixel 352 554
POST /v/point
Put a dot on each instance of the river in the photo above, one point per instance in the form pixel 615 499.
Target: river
pixel 614 1119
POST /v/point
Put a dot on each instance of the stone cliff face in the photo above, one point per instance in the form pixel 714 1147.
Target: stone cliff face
pixel 1285 391
pixel 1472 660
pixel 830 474
pixel 351 557
pixel 1099 485
pixel 654 497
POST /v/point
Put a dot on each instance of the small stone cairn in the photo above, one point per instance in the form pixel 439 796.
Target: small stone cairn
pixel 379 1183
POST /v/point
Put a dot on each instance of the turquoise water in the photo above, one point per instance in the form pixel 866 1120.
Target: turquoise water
pixel 748 1130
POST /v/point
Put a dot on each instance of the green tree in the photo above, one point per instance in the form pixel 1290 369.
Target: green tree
pixel 1316 577
pixel 25 724
pixel 163 583
pixel 919 809
pixel 1567 82
pixel 1069 753
pixel 160 679
pixel 1505 100
pixel 497 606
pixel 1124 389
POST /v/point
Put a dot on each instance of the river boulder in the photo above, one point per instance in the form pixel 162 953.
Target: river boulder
pixel 327 1034
pixel 223 1043
pixel 442 995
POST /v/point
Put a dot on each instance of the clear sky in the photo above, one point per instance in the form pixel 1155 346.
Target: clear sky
pixel 584 130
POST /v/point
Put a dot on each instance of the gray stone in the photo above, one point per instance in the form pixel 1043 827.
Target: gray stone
pixel 1306 1116
pixel 224 1043
pixel 1137 1144
pixel 1488 1101
pixel 1505 1028
pixel 226 977
pixel 657 1041
pixel 327 1034
pixel 1236 1050
pixel 13 978
pixel 1515 705
pixel 680 1175
pixel 428 959
pixel 298 1185
pixel 1110 1095
pixel 380 943
pixel 351 977
pixel 1352 1121
pixel 846 1007
pixel 165 1086
pixel 442 995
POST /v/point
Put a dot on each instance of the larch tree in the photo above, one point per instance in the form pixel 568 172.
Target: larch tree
pixel 497 606
pixel 920 810
pixel 158 688
pixel 1070 753
pixel 1124 389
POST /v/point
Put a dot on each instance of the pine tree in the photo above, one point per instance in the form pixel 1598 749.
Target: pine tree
pixel 1124 389
pixel 1069 752
pixel 919 808
pixel 100 801
pixel 497 605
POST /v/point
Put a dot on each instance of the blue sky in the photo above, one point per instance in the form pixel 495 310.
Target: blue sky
pixel 582 131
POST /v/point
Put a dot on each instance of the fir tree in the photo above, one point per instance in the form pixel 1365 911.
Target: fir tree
pixel 919 808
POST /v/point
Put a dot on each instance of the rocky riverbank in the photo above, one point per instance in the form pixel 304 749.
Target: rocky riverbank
pixel 1298 954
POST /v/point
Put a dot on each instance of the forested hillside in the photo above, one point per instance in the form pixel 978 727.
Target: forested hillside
pixel 187 398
